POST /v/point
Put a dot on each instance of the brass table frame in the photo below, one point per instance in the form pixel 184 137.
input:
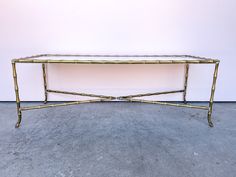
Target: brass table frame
pixel 131 98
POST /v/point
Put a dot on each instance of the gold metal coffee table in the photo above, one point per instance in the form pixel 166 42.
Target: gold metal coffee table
pixel 115 59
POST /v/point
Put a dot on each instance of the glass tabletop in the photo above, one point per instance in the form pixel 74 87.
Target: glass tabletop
pixel 113 59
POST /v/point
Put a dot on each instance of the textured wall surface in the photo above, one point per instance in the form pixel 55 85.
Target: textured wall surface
pixel 203 27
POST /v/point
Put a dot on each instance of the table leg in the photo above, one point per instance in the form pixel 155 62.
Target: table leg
pixel 185 82
pixel 212 94
pixel 19 114
pixel 45 83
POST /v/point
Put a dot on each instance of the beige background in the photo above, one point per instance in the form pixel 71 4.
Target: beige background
pixel 203 27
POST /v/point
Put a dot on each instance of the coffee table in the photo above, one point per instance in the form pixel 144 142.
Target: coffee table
pixel 45 59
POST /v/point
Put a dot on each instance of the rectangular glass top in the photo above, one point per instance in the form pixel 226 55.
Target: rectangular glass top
pixel 114 59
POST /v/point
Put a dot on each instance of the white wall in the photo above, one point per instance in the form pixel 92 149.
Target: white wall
pixel 202 27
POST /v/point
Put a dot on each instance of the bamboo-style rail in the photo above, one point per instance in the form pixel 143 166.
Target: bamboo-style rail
pixel 197 60
pixel 62 104
pixel 150 94
pixel 82 94
pixel 165 103
pixel 119 59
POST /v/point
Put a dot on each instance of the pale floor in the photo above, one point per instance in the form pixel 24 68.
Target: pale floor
pixel 118 140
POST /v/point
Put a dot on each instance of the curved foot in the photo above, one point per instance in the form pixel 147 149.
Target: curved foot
pixel 210 124
pixel 17 125
pixel 209 120
pixel 45 102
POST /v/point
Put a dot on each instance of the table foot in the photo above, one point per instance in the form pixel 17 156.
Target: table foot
pixel 17 125
pixel 210 124
pixel 18 121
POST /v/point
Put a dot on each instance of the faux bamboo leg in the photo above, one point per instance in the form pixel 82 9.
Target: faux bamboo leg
pixel 185 83
pixel 212 94
pixel 19 114
pixel 45 84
